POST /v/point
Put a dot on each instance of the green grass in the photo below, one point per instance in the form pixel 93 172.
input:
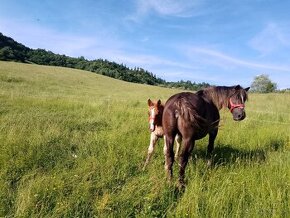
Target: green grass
pixel 72 144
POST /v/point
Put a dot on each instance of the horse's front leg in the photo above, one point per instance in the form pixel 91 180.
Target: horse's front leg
pixel 210 147
pixel 153 140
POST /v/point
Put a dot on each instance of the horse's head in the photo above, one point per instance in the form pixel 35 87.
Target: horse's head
pixel 236 102
pixel 155 111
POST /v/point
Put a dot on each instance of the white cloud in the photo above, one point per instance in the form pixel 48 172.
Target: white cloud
pixel 177 8
pixel 148 60
pixel 270 39
pixel 170 7
pixel 221 59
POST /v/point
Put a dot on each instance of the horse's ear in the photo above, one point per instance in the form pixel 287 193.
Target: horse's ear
pixel 150 103
pixel 159 102
pixel 247 89
pixel 237 87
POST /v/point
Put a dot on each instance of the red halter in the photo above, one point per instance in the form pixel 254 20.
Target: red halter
pixel 233 106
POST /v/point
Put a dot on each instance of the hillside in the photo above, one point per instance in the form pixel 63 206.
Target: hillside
pixel 10 50
pixel 72 144
pixel 52 82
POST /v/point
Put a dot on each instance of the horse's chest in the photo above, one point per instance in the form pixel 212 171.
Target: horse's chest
pixel 159 131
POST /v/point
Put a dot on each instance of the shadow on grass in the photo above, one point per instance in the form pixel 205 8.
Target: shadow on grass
pixel 225 154
pixel 228 155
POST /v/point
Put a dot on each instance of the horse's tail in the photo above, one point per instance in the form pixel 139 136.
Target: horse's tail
pixel 187 111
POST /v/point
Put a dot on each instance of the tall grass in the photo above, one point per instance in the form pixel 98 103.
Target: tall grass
pixel 72 144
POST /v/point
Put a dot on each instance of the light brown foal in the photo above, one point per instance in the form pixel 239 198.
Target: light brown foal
pixel 155 126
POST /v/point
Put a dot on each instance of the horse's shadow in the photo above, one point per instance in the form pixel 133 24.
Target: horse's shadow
pixel 228 155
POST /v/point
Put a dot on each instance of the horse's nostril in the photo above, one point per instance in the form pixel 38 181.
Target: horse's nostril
pixel 241 116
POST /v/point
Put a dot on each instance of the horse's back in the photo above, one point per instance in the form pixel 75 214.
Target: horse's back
pixel 183 100
pixel 180 105
pixel 188 112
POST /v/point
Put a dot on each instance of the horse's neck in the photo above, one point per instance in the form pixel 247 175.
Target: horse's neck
pixel 218 98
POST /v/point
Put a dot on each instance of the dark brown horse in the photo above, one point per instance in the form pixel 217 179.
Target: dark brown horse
pixel 194 115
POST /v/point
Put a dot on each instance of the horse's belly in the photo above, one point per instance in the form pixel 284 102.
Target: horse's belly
pixel 200 135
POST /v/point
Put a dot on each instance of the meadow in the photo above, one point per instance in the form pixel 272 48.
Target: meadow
pixel 73 143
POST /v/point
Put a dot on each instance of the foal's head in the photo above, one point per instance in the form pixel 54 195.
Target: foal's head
pixel 155 113
pixel 237 102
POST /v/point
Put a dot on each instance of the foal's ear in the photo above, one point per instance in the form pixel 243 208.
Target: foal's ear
pixel 159 102
pixel 247 89
pixel 150 103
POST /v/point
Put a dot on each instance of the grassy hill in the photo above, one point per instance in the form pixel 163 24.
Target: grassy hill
pixel 72 144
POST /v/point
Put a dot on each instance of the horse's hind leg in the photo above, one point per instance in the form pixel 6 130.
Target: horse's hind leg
pixel 169 155
pixel 178 143
pixel 188 145
pixel 210 147
pixel 153 140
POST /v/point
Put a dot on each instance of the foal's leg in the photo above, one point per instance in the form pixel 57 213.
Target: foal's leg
pixel 153 140
pixel 212 136
pixel 178 143
pixel 169 155
pixel 188 144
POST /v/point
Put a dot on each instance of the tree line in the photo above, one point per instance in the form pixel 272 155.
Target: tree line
pixel 10 50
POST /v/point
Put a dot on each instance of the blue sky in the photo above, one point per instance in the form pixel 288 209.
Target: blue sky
pixel 219 42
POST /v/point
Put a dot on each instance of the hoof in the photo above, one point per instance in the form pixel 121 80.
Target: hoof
pixel 181 186
pixel 209 163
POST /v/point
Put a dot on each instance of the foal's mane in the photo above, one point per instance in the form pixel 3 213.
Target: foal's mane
pixel 160 108
pixel 160 113
pixel 220 95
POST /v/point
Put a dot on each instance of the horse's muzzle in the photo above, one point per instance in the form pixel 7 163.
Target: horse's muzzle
pixel 239 116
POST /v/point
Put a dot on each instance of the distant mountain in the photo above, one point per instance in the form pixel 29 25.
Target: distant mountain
pixel 10 50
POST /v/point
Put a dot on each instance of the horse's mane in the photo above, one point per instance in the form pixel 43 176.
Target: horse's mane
pixel 219 95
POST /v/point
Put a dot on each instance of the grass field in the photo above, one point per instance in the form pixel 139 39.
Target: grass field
pixel 72 144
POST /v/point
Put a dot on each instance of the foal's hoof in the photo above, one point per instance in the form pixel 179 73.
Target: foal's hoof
pixel 209 163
